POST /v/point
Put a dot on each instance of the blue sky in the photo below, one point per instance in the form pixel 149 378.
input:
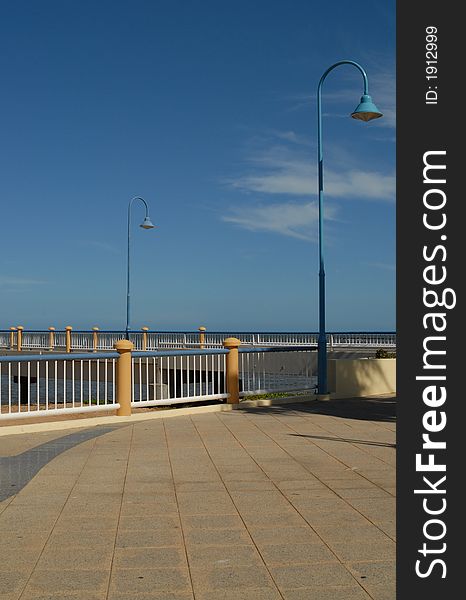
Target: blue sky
pixel 208 111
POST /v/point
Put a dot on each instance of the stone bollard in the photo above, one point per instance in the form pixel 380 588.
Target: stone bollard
pixel 12 337
pixel 202 331
pixel 95 338
pixel 123 377
pixel 51 338
pixel 68 329
pixel 144 338
pixel 232 369
pixel 19 338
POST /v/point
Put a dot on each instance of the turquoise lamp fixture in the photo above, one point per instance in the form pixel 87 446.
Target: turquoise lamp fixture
pixel 366 110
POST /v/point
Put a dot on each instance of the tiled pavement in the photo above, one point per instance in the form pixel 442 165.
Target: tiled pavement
pixel 262 504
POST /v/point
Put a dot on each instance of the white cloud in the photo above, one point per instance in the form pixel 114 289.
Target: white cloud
pixel 293 219
pixel 281 171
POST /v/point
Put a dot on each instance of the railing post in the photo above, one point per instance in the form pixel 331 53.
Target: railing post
pixel 95 338
pixel 12 337
pixel 68 329
pixel 51 338
pixel 232 369
pixel 123 377
pixel 19 338
pixel 144 338
pixel 202 331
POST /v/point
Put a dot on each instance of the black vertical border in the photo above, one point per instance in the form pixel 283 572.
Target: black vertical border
pixel 425 127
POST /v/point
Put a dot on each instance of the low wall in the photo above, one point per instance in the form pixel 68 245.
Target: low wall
pixel 349 378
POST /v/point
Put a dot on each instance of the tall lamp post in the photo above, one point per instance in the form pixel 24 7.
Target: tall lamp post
pixel 365 111
pixel 146 224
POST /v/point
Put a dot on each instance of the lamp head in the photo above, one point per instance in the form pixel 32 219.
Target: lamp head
pixel 366 110
pixel 147 224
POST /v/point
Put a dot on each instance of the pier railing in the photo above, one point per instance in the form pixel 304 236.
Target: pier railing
pixel 37 385
pixel 95 340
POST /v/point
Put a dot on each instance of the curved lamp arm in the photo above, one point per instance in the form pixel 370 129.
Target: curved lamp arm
pixel 128 259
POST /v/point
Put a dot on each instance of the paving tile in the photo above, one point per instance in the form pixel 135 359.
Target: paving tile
pixel 249 594
pixel 200 486
pixel 85 523
pixel 115 595
pixel 246 486
pixel 149 558
pixel 145 523
pixel 270 502
pixel 149 539
pixel 212 503
pixel 33 595
pixel 218 556
pixel 361 550
pixel 19 558
pixel 259 519
pixel 56 557
pixel 216 537
pixel 212 522
pixel 321 574
pixel 78 540
pixel 350 531
pixel 12 582
pixel 283 535
pixel 147 581
pixel 231 577
pixel 15 519
pixel 373 573
pixel 382 592
pixel 292 553
pixel 353 592
pixel 65 581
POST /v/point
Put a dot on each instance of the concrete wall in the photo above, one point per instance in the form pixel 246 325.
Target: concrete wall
pixel 349 378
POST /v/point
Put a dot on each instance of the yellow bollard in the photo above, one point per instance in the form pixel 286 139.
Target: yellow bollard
pixel 144 338
pixel 202 331
pixel 232 369
pixel 19 338
pixel 95 338
pixel 123 377
pixel 51 338
pixel 12 337
pixel 68 329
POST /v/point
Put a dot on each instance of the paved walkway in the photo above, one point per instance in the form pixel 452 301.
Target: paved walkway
pixel 293 502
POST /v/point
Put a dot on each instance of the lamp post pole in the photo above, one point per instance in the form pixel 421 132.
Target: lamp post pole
pixel 365 111
pixel 146 224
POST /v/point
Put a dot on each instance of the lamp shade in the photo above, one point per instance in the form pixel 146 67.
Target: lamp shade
pixel 147 224
pixel 366 110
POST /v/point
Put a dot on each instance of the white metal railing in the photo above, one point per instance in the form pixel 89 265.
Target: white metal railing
pixel 173 377
pixel 35 340
pixel 61 383
pixel 270 370
pixel 4 339
pixel 38 384
pixel 84 340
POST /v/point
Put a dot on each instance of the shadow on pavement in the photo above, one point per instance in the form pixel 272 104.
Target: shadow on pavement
pixel 366 409
pixel 348 440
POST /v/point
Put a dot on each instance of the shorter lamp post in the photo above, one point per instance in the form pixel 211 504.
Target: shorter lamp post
pixel 365 111
pixel 146 224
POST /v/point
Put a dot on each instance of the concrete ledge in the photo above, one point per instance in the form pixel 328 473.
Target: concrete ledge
pixel 274 401
pixel 355 378
pixel 145 416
